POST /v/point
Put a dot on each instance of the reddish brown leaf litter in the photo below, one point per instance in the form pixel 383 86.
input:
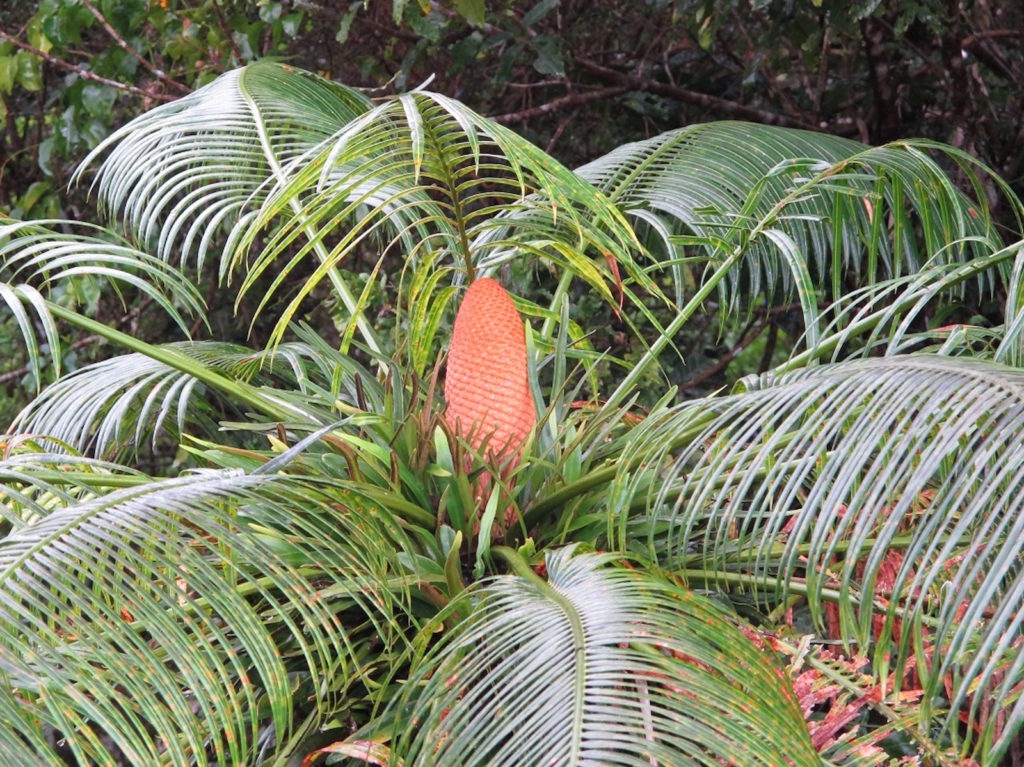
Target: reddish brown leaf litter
pixel 487 388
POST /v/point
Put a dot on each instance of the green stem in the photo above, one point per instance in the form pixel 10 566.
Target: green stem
pixel 236 390
pixel 581 486
pixel 92 479
pixel 771 583
pixel 740 556
pixel 337 282
pixel 718 577
pixel 556 302
pixel 824 347
pixel 520 566
pixel 655 349
pixel 452 190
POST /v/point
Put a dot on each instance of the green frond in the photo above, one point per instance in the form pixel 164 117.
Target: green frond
pixel 16 299
pixel 184 174
pixel 34 482
pixel 842 213
pixel 599 664
pixel 195 608
pixel 886 316
pixel 1011 345
pixel 115 406
pixel 889 487
pixel 425 172
pixel 37 256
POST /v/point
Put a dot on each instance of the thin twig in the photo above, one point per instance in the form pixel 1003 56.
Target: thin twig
pixel 724 360
pixel 768 78
pixel 157 73
pixel 561 129
pixel 226 31
pixel 82 72
pixel 990 33
pixel 687 96
pixel 769 349
pixel 537 84
pixel 819 87
pixel 14 375
pixel 977 45
pixel 573 99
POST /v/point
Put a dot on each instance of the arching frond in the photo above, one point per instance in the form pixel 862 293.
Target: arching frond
pixel 167 623
pixel 890 487
pixel 424 170
pixel 828 211
pixel 185 171
pixel 117 405
pixel 1011 343
pixel 598 665
pixel 887 316
pixel 36 256
pixel 34 483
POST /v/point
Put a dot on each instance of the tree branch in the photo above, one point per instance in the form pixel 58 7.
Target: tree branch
pixel 632 82
pixel 561 129
pixel 723 362
pixel 82 72
pixel 157 73
pixel 573 99
pixel 226 31
pixel 978 45
pixel 14 375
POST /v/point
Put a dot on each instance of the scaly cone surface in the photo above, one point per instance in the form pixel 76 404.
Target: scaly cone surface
pixel 486 388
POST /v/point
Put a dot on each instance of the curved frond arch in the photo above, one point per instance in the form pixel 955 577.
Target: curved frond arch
pixel 909 313
pixel 37 256
pixel 192 608
pixel 115 406
pixel 598 665
pixel 427 172
pixel 842 211
pixel 891 488
pixel 184 172
pixel 34 483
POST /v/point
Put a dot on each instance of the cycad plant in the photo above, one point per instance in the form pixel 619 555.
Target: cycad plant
pixel 544 555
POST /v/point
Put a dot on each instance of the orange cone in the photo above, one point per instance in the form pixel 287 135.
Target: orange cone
pixel 486 388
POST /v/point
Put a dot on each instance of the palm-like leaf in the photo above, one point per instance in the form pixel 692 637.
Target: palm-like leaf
pixel 599 665
pixel 765 213
pixel 191 172
pixel 887 315
pixel 1011 343
pixel 115 406
pixel 35 257
pixel 179 173
pixel 813 483
pixel 868 212
pixel 420 169
pixel 34 482
pixel 436 175
pixel 190 608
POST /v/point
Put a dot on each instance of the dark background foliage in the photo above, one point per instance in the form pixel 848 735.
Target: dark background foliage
pixel 576 77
